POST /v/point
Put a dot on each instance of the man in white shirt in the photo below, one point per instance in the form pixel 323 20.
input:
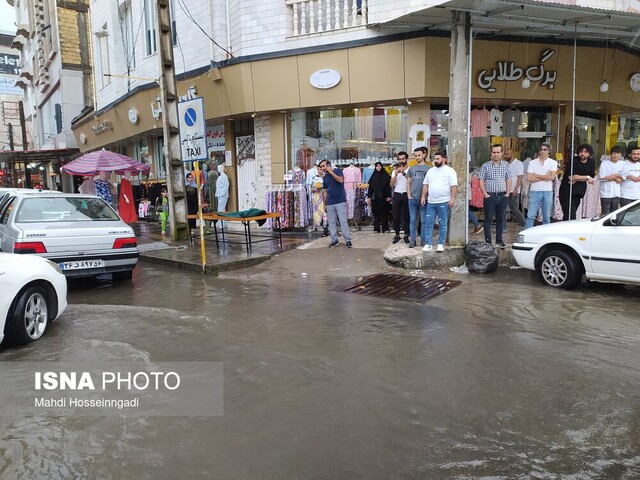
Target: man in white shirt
pixel 610 176
pixel 439 191
pixel 399 200
pixel 541 172
pixel 517 168
pixel 630 186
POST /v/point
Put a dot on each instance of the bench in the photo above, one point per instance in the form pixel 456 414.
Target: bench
pixel 249 239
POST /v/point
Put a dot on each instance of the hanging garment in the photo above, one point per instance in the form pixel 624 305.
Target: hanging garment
pixel 510 123
pixel 479 122
pixel 496 122
pixel 305 158
pixel 394 125
pixel 420 135
pixel 364 124
pixel 379 127
pixel 126 202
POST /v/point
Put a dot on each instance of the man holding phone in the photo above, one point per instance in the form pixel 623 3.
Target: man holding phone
pixel 400 201
pixel 335 200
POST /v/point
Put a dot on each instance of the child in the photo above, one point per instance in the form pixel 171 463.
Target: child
pixel 163 209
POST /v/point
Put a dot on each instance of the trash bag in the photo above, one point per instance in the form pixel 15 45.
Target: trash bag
pixel 481 257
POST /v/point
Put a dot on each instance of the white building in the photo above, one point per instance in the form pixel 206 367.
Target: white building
pixel 55 74
pixel 388 65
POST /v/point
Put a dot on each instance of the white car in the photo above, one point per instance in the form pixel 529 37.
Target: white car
pixel 34 293
pixel 604 249
pixel 81 233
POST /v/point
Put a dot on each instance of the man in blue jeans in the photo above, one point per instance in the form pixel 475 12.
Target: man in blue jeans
pixel 415 179
pixel 540 173
pixel 335 200
pixel 439 191
pixel 495 183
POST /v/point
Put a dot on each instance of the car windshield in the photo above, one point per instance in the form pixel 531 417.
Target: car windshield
pixel 64 209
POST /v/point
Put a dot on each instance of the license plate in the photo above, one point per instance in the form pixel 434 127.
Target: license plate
pixel 80 264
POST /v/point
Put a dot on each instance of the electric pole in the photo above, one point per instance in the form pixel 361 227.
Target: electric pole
pixel 10 128
pixel 170 128
pixel 23 126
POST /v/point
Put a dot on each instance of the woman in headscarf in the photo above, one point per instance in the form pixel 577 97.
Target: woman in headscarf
pixel 379 196
pixel 222 190
pixel 192 198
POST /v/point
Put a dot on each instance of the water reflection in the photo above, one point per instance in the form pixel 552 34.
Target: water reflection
pixel 498 378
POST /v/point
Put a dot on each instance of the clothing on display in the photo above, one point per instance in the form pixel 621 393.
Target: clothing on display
pixel 291 203
pixel 298 176
pixel 126 202
pixel 352 179
pixel 305 157
pixel 511 122
pixel 479 121
pixel 419 135
pixel 496 122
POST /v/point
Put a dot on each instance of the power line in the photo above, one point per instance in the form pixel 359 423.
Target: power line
pixel 184 8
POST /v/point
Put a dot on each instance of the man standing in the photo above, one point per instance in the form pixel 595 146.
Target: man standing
pixel 630 186
pixel 574 181
pixel 517 169
pixel 415 179
pixel 610 175
pixel 335 200
pixel 541 172
pixel 495 183
pixel 399 200
pixel 439 191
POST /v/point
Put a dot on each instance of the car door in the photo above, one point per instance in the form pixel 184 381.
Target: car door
pixel 6 242
pixel 614 247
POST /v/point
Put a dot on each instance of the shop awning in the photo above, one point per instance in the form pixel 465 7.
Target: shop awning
pixel 37 156
pixel 533 18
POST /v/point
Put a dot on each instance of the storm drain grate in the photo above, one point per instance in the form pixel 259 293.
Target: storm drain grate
pixel 402 287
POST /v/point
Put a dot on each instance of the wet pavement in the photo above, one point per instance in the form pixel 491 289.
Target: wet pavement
pixel 499 378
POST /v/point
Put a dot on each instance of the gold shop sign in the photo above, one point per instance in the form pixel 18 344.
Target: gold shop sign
pixel 103 126
pixel 508 72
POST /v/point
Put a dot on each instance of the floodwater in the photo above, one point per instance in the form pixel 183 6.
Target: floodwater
pixel 499 378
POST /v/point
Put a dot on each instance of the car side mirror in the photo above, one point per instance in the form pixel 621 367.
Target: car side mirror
pixel 613 219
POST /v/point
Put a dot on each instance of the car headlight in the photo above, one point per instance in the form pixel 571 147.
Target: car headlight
pixel 55 266
pixel 519 238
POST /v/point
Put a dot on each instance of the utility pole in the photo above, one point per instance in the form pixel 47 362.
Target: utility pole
pixel 23 126
pixel 10 128
pixel 459 114
pixel 170 128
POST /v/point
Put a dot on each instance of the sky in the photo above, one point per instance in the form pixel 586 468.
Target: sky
pixel 7 18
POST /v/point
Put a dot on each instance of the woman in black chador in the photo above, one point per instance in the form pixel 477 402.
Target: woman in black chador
pixel 379 196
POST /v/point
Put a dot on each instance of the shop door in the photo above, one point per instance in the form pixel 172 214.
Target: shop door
pixel 247 172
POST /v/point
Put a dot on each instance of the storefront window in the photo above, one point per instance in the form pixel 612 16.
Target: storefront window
pixel 589 133
pixel 624 131
pixel 353 135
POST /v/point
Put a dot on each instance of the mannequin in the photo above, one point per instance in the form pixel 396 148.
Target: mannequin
pixel 126 204
pixel 104 187
pixel 222 190
pixel 88 186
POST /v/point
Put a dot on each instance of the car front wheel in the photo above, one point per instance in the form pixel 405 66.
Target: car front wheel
pixel 559 269
pixel 29 316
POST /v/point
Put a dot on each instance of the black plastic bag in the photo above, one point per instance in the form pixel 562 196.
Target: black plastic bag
pixel 481 257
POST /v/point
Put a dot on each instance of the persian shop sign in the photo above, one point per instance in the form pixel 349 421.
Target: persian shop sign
pixel 103 126
pixel 326 78
pixel 508 72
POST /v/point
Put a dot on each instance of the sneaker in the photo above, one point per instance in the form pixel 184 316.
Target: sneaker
pixel 396 239
pixel 333 244
pixel 427 248
pixel 349 245
pixel 477 230
pixel 501 245
pixel 406 239
pixel 412 243
pixel 325 233
pixel 440 248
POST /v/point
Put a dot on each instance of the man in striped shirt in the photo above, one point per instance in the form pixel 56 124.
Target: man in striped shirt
pixel 495 183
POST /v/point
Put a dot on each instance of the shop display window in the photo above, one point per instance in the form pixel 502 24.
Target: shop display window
pixel 360 136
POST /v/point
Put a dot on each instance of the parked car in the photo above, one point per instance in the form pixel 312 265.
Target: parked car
pixel 81 233
pixel 34 293
pixel 603 249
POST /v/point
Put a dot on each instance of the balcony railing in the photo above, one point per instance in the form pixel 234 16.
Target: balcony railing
pixel 317 16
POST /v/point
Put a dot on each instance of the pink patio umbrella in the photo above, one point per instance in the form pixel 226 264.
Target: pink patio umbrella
pixel 136 169
pixel 95 162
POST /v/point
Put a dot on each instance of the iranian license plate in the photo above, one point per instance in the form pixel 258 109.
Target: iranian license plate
pixel 80 264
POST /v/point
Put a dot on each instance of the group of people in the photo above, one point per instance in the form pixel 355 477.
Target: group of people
pixel 420 194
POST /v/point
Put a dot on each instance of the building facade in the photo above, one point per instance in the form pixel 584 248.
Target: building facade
pixel 56 81
pixel 292 82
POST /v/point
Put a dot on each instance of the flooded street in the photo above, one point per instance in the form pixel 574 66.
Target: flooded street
pixel 498 378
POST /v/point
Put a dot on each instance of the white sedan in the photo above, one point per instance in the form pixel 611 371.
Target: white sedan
pixel 34 293
pixel 604 249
